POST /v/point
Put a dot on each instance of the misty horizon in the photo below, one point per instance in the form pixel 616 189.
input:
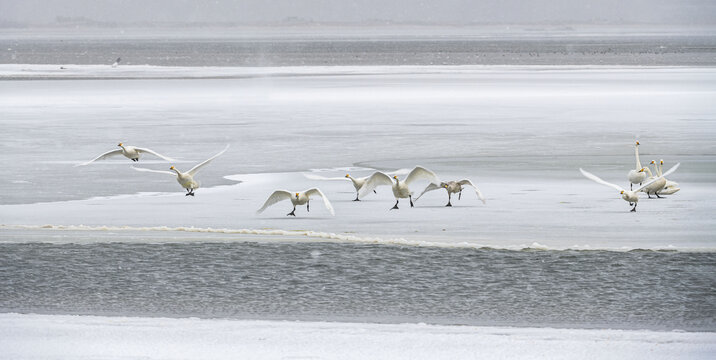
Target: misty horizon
pixel 14 13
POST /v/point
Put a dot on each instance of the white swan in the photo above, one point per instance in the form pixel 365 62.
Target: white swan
pixel 452 187
pixel 130 152
pixel 357 182
pixel 297 198
pixel 670 187
pixel 401 189
pixel 657 185
pixel 186 179
pixel 636 176
pixel 631 196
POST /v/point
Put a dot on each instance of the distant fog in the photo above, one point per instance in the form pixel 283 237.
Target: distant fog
pixel 457 12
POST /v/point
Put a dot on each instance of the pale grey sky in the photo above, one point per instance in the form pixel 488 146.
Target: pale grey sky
pixel 438 11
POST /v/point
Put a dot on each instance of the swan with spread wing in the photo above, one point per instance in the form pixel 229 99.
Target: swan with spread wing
pixel 631 196
pixel 130 152
pixel 401 189
pixel 186 179
pixel 297 198
pixel 452 187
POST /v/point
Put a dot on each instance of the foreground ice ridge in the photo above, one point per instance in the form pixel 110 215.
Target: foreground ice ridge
pixel 328 236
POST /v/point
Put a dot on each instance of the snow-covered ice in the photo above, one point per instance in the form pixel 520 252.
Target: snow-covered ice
pixel 95 337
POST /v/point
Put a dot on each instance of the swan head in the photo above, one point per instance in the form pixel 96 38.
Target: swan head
pixel 296 195
pixel 622 192
pixel 662 162
pixel 653 162
pixel 395 177
pixel 445 185
pixel 641 170
pixel 173 168
pixel 348 175
pixel 120 145
pixel 637 143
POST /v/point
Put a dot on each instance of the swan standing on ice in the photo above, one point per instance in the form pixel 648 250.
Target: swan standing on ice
pixel 631 196
pixel 657 185
pixel 452 187
pixel 401 189
pixel 636 176
pixel 130 152
pixel 357 182
pixel 186 179
pixel 297 198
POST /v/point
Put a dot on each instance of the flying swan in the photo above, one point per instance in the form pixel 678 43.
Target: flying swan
pixel 452 187
pixel 631 196
pixel 186 179
pixel 297 198
pixel 401 189
pixel 130 152
pixel 357 182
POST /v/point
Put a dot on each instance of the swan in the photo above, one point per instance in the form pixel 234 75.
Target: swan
pixel 401 189
pixel 636 176
pixel 657 185
pixel 130 152
pixel 630 196
pixel 297 198
pixel 452 187
pixel 357 182
pixel 185 179
pixel 670 187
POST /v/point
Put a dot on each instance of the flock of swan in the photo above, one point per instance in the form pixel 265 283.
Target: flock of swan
pixel 651 183
pixel 363 186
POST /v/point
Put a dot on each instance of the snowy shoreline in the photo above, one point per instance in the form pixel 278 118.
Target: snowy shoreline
pixel 29 336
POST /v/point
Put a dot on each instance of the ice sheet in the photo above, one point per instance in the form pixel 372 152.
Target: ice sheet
pixel 93 337
pixel 520 133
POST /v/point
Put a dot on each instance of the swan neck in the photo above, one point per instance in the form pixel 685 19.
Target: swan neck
pixel 649 171
pixel 636 152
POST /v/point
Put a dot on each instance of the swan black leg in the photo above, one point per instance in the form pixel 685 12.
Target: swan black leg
pixel 356 199
pixel 459 195
pixel 308 206
pixel 375 192
pixel 410 197
pixel 293 212
pixel 449 198
pixel 657 195
pixel 631 186
pixel 396 205
pixel 634 208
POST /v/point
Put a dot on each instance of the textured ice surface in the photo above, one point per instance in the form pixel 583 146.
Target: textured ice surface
pixel 520 133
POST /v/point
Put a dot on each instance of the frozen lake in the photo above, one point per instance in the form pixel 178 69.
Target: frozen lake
pixel 520 133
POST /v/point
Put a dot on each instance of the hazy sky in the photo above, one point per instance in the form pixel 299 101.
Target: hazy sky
pixel 438 11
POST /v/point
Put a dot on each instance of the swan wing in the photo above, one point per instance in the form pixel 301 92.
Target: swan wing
pixel 276 196
pixel 150 151
pixel 318 177
pixel 668 172
pixel 154 171
pixel 430 187
pixel 317 191
pixel 464 182
pixel 420 172
pixel 376 179
pixel 196 168
pixel 596 179
pixel 103 156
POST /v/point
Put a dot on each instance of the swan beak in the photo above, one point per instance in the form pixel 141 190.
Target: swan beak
pixel 662 162
pixel 637 142
pixel 296 194
pixel 120 144
pixel 395 177
pixel 348 175
pixel 171 168
pixel 622 192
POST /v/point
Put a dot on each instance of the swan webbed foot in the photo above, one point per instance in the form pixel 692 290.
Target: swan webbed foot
pixel 395 207
pixel 356 199
pixel 292 213
pixel 135 159
pixel 448 204
pixel 657 195
pixel 375 192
